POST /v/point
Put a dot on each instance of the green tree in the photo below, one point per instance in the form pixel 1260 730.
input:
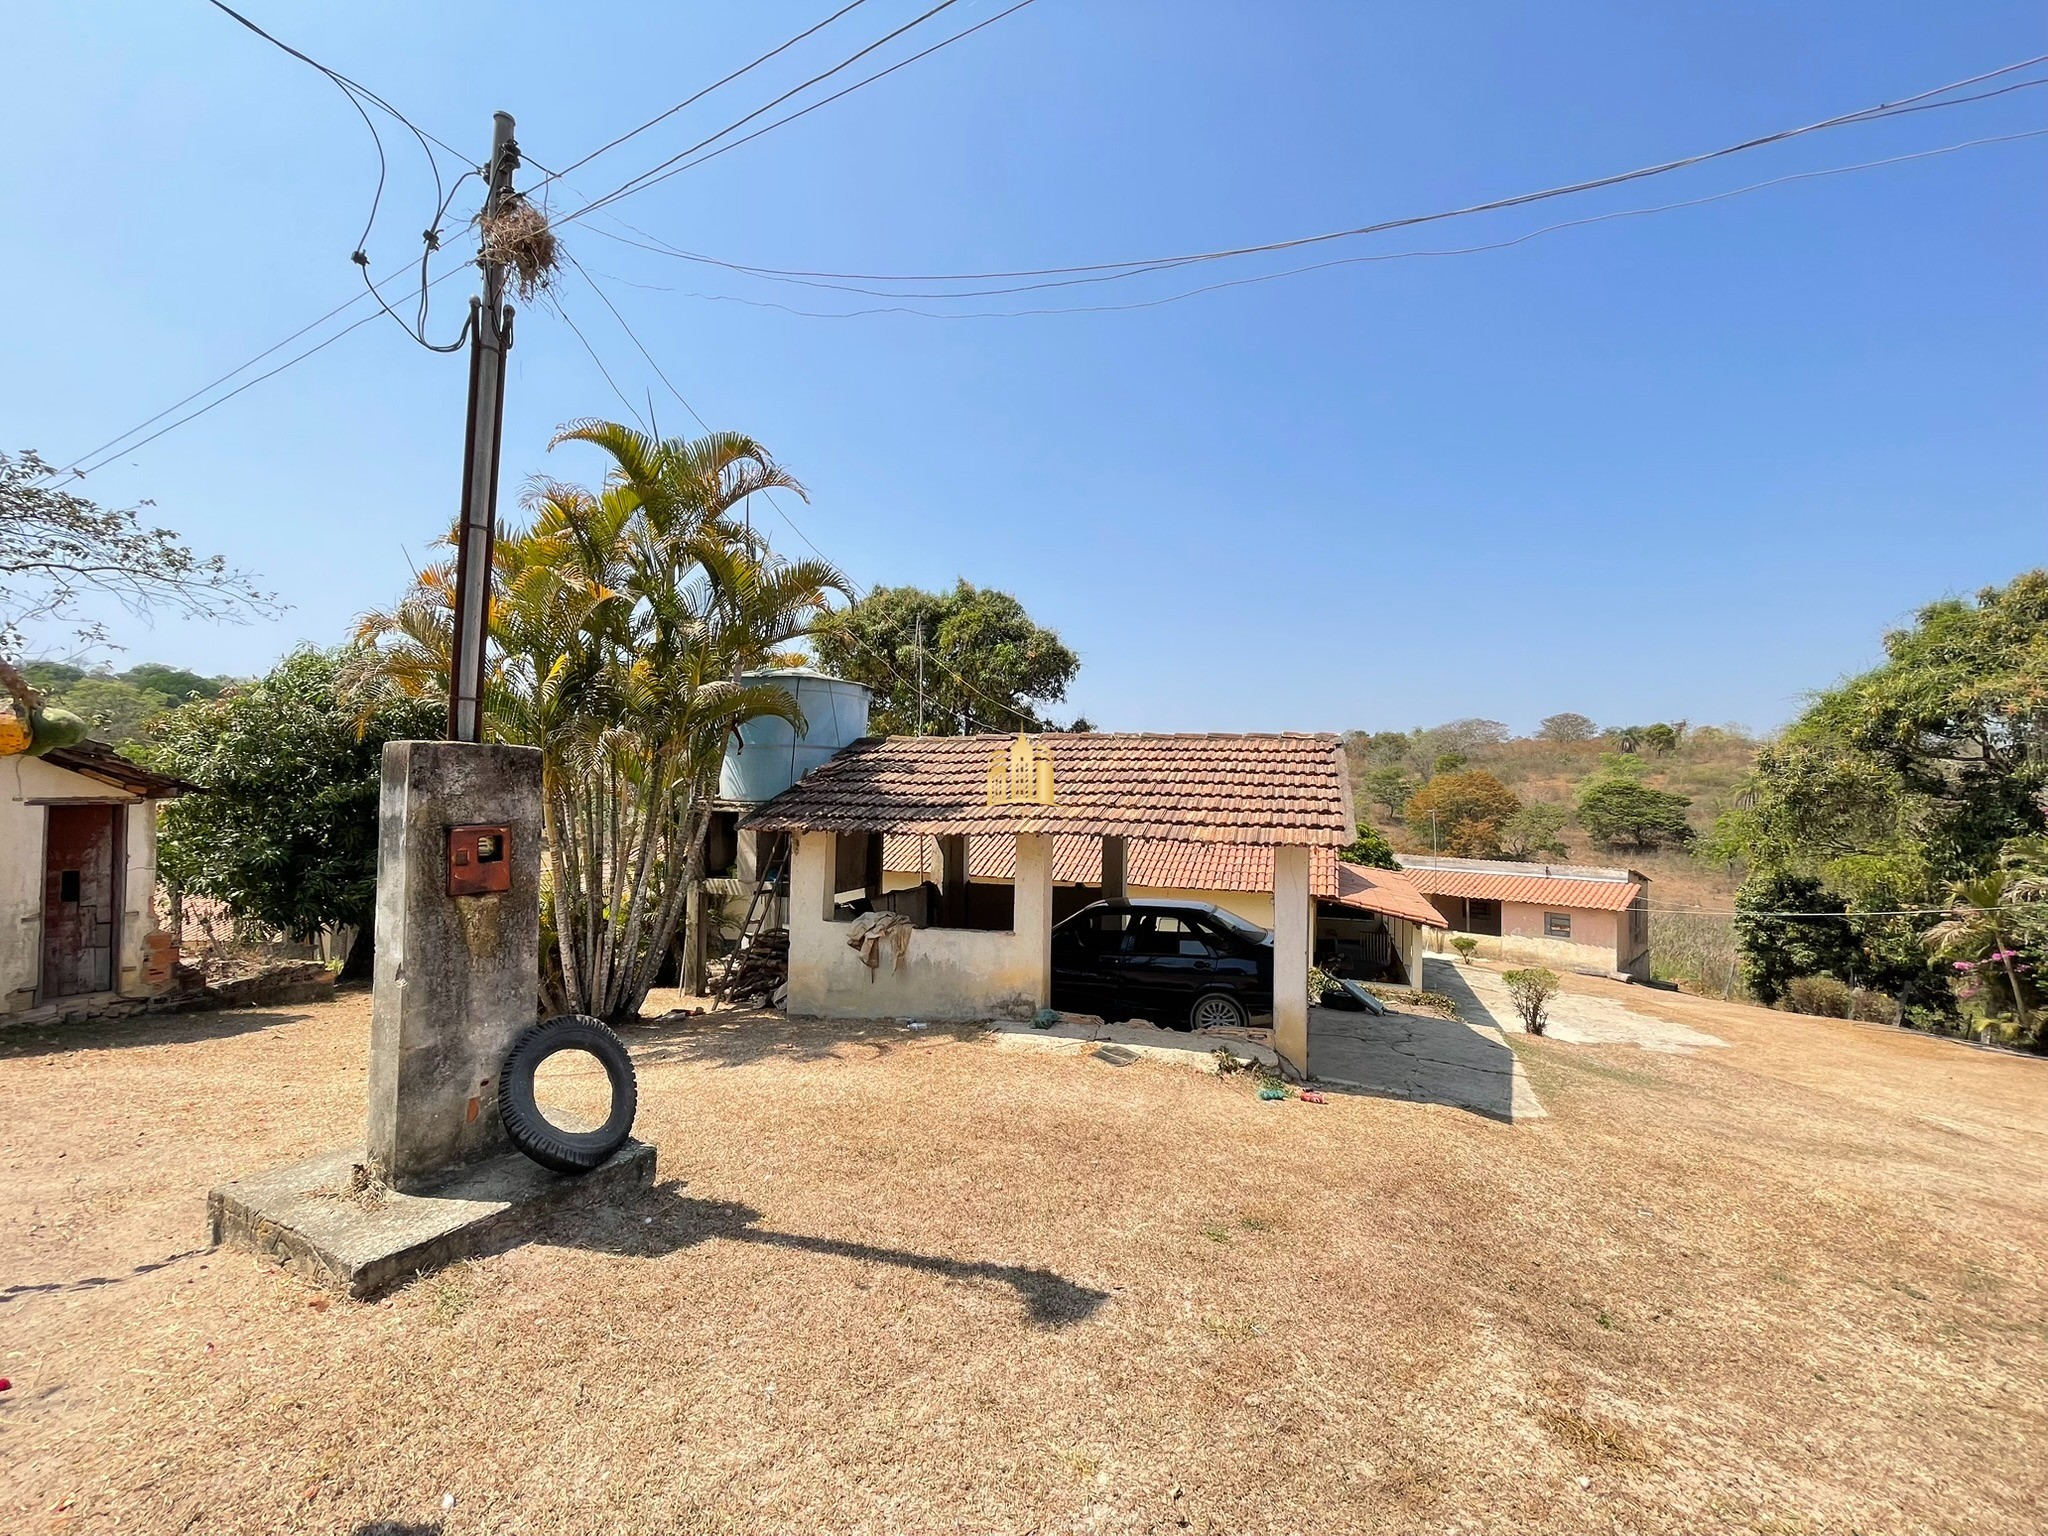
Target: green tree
pixel 1566 727
pixel 985 665
pixel 1790 925
pixel 1389 786
pixel 1925 772
pixel 1371 849
pixel 1625 814
pixel 116 710
pixel 286 833
pixel 1532 832
pixel 1461 814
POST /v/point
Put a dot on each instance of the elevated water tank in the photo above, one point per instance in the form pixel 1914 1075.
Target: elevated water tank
pixel 770 755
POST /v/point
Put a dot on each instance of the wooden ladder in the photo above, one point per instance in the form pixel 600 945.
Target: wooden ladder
pixel 760 907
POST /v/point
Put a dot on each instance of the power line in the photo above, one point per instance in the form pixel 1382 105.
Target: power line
pixel 699 96
pixel 1136 267
pixel 80 471
pixel 660 248
pixel 857 639
pixel 672 165
pixel 431 238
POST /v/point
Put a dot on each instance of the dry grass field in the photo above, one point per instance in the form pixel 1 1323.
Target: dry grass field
pixel 900 1282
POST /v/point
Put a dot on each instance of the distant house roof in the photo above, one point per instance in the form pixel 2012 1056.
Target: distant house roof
pixel 98 761
pixel 1387 892
pixel 1205 789
pixel 1160 866
pixel 1553 885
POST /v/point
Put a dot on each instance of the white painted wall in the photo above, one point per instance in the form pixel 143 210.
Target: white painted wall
pixel 24 781
pixel 1293 936
pixel 949 973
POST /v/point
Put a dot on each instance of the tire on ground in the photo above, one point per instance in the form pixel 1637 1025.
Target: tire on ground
pixel 531 1131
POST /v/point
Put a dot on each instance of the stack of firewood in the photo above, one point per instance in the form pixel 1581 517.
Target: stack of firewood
pixel 757 973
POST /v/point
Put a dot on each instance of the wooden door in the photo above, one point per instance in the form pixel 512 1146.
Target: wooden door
pixel 81 899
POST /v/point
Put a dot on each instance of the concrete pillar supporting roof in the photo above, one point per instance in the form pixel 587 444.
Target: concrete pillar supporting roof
pixel 1293 931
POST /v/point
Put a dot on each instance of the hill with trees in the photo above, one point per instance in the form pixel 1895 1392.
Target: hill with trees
pixel 118 705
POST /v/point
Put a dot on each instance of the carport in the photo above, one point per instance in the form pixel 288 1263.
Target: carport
pixel 1285 792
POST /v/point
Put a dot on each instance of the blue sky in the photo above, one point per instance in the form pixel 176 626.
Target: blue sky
pixel 1684 465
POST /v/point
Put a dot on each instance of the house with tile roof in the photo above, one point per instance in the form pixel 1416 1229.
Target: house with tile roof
pixel 78 880
pixel 1572 916
pixel 1369 922
pixel 1279 805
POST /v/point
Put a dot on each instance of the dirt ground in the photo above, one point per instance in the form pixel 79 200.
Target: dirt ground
pixel 909 1282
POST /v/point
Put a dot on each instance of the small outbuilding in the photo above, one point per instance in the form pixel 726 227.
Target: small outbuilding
pixel 77 877
pixel 1282 799
pixel 1576 916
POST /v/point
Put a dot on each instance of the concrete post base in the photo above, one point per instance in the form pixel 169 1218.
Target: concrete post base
pixel 307 1217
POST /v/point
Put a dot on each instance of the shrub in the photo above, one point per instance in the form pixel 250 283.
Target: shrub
pixel 1532 990
pixel 1822 996
pixel 1466 946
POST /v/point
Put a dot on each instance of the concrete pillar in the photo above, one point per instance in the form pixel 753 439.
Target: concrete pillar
pixel 952 881
pixel 1115 864
pixel 696 941
pixel 1032 909
pixel 1291 938
pixel 457 977
pixel 810 917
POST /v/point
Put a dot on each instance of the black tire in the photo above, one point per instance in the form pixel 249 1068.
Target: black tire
pixel 530 1130
pixel 1208 1010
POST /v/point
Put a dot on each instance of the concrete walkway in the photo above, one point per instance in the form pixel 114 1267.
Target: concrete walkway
pixel 1575 1017
pixel 1119 1044
pixel 1423 1057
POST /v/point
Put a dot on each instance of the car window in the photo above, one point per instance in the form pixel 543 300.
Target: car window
pixel 1242 927
pixel 1163 933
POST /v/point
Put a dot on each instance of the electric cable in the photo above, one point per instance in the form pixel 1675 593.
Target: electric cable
pixel 769 497
pixel 1137 266
pixel 672 165
pixel 700 95
pixel 431 238
pixel 1319 266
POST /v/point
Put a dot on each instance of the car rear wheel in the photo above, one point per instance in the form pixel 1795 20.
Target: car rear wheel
pixel 1218 1010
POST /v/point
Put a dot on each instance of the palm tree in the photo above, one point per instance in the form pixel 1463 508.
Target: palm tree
pixel 1980 924
pixel 622 623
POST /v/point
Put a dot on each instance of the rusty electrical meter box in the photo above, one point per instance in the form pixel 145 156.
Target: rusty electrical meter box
pixel 479 860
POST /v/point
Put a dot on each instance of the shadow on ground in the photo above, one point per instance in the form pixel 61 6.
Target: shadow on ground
pixel 142 1029
pixel 1423 1058
pixel 664 1221
pixel 1445 977
pixel 748 1038
pixel 95 1282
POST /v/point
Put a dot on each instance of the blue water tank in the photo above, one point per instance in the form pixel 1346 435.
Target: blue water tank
pixel 770 755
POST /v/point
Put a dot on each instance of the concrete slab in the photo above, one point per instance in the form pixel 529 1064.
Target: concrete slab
pixel 1574 1017
pixel 305 1216
pixel 1120 1044
pixel 1422 1057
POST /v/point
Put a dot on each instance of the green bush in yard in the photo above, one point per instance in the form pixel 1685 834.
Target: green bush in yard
pixel 1466 946
pixel 1532 990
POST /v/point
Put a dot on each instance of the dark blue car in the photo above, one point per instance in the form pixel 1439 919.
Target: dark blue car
pixel 1185 964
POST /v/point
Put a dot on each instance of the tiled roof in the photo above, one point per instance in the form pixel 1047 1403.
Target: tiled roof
pixel 1610 891
pixel 1205 789
pixel 97 760
pixel 1159 866
pixel 1387 892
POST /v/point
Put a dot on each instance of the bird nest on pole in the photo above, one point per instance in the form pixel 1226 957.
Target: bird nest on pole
pixel 520 236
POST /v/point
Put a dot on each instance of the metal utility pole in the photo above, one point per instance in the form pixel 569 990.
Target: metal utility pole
pixel 920 677
pixel 490 336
